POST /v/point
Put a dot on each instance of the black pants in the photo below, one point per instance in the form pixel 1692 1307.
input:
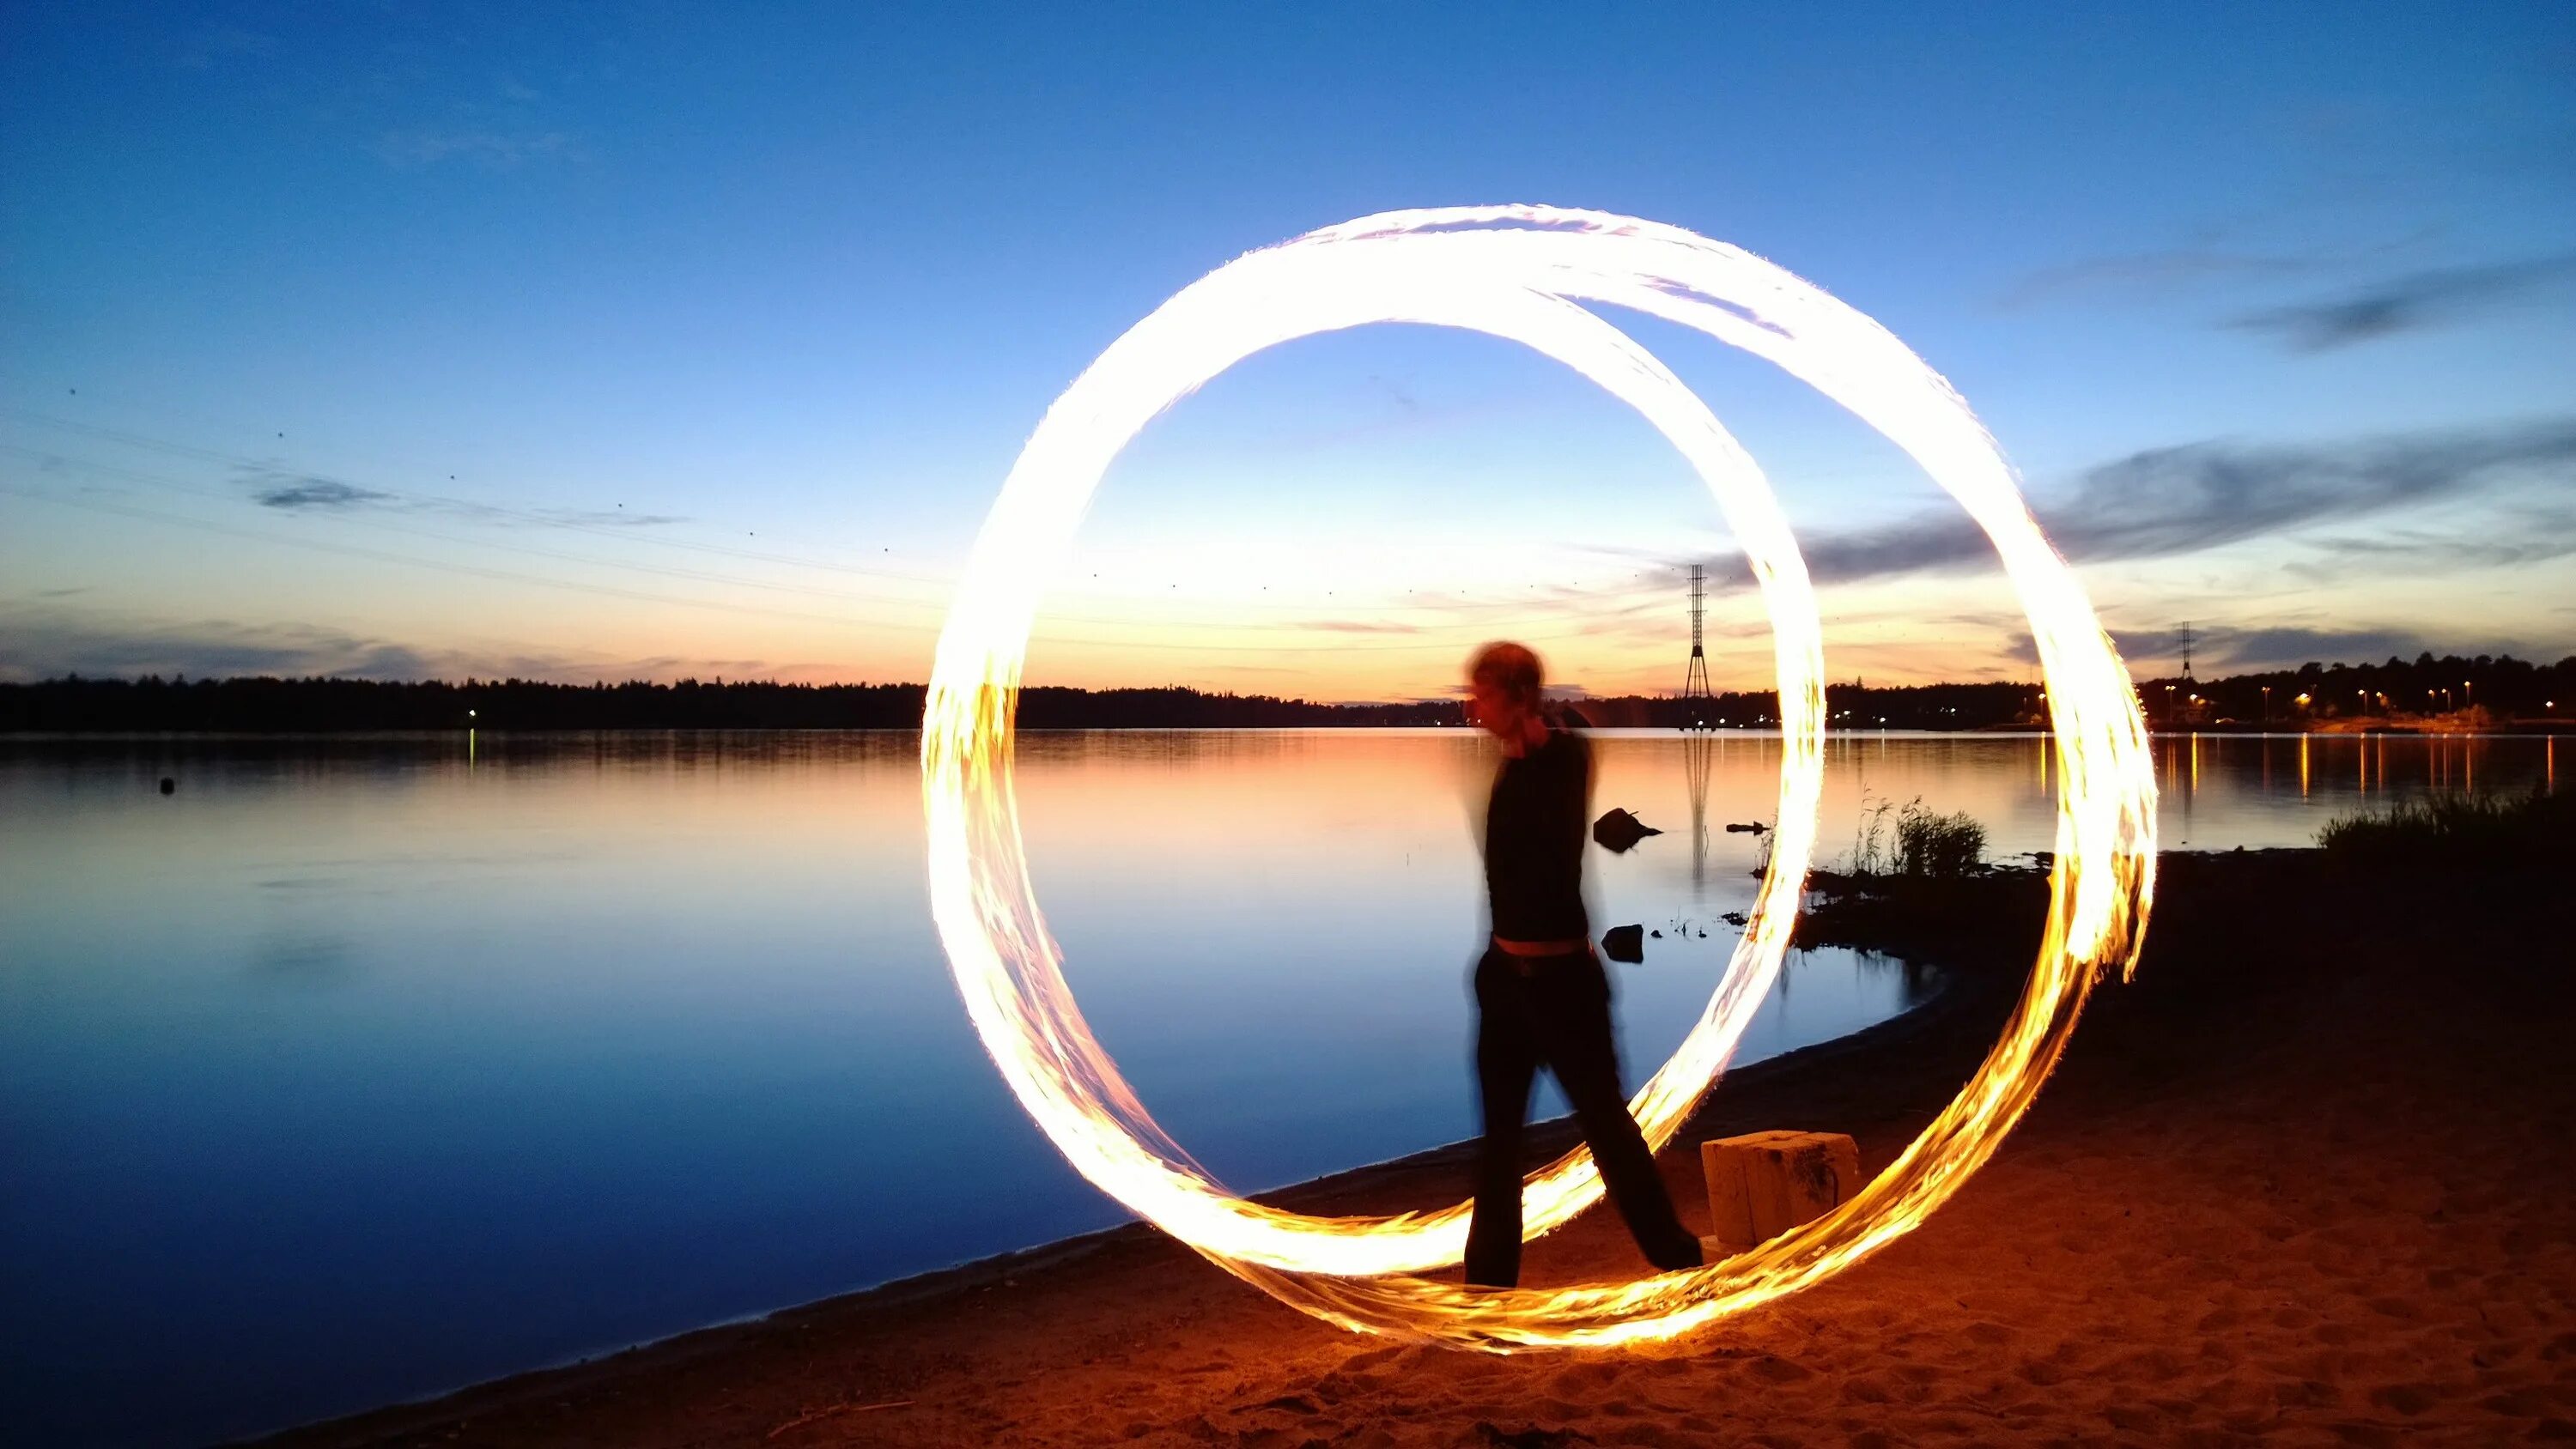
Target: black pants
pixel 1554 1011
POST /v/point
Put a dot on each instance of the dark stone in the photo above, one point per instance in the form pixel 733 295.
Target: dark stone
pixel 168 785
pixel 1620 831
pixel 1658 935
pixel 1749 827
pixel 1733 918
pixel 1625 943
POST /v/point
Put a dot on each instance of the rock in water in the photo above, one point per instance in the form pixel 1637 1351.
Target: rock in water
pixel 1620 831
pixel 1752 827
pixel 1625 943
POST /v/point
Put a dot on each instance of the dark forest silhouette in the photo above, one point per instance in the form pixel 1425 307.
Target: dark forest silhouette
pixel 2499 688
pixel 2503 688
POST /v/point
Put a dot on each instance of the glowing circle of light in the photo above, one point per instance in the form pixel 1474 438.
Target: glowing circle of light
pixel 1073 1088
pixel 1521 273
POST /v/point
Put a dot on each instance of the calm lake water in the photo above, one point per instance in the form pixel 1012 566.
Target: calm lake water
pixel 356 1070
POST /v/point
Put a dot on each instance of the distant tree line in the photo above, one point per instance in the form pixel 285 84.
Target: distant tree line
pixel 2499 686
pixel 2503 687
pixel 1847 706
pixel 274 706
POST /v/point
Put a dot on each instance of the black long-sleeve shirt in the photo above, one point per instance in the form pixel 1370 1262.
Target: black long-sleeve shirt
pixel 1534 841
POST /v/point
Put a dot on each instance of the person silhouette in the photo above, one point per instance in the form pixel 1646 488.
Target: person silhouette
pixel 1542 998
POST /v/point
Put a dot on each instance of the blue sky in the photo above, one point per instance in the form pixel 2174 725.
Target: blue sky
pixel 652 341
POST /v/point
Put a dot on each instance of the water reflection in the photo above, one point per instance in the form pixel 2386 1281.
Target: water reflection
pixel 1699 752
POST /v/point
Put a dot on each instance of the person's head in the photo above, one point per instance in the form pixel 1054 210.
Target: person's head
pixel 1503 689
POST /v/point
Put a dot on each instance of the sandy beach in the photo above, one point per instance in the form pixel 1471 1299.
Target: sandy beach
pixel 2306 1181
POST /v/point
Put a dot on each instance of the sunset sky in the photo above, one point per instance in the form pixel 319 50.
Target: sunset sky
pixel 655 341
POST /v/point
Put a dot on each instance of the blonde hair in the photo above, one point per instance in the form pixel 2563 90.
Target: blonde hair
pixel 1511 668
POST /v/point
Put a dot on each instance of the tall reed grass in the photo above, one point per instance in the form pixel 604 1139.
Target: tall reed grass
pixel 2453 822
pixel 1917 842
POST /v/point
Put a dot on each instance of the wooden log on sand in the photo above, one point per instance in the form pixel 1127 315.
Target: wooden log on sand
pixel 1762 1184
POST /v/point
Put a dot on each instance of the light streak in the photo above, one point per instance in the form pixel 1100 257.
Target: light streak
pixel 1521 273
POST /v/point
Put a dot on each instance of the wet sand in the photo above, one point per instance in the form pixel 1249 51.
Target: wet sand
pixel 2309 1180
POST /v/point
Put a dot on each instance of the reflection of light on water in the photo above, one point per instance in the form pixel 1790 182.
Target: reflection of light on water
pixel 2303 765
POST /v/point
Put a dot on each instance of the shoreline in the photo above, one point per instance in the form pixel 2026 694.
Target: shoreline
pixel 1952 992
pixel 2290 1184
pixel 1370 1187
pixel 2509 730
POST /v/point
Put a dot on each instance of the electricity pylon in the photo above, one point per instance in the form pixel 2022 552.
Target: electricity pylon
pixel 1697 703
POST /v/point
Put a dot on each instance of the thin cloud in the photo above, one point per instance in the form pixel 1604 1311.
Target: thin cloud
pixel 2161 271
pixel 2287 646
pixel 493 150
pixel 325 493
pixel 2153 271
pixel 574 517
pixel 2528 537
pixel 2200 496
pixel 49 643
pixel 2238 650
pixel 44 642
pixel 2404 304
pixel 1357 626
pixel 271 488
